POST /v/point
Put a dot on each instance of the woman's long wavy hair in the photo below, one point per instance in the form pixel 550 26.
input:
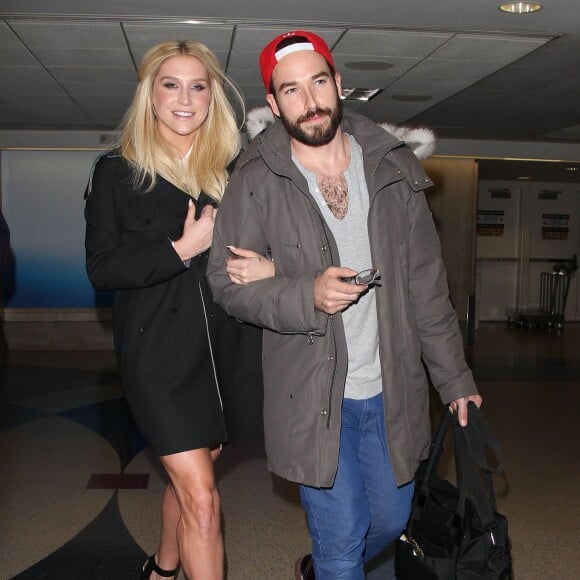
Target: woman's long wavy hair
pixel 215 144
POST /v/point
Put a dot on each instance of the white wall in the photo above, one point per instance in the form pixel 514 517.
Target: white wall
pixel 42 201
pixel 451 147
pixel 509 265
pixel 44 174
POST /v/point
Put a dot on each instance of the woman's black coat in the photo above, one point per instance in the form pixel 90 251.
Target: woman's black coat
pixel 191 374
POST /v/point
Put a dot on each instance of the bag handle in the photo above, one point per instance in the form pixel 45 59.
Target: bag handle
pixel 479 435
pixel 436 450
pixel 470 455
pixel 470 443
pixel 468 474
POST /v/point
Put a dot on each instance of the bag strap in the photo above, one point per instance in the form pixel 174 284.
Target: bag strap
pixel 466 439
pixel 470 444
pixel 435 451
pixel 479 436
pixel 431 464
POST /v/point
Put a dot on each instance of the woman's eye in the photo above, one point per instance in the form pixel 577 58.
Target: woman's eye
pixel 198 87
pixel 169 85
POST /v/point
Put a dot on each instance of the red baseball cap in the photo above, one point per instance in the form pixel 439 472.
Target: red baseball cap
pixel 269 56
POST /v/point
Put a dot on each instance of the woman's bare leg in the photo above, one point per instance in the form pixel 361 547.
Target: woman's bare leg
pixel 199 538
pixel 167 556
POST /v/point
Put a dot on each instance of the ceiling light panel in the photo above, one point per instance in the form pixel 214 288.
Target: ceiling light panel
pixel 16 81
pixel 485 48
pixel 462 67
pixel 254 38
pixel 12 52
pixel 390 43
pixel 380 78
pixel 142 36
pixel 68 35
pixel 57 44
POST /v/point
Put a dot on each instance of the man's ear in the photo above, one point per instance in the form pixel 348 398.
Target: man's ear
pixel 338 81
pixel 273 104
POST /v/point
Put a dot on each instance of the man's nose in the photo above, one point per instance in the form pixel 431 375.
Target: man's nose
pixel 310 101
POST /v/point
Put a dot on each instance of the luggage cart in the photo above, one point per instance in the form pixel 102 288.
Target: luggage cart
pixel 554 288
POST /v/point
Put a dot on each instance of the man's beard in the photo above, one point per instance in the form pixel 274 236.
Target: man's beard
pixel 316 135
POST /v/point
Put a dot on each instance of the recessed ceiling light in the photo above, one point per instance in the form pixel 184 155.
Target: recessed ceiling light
pixel 368 65
pixel 524 178
pixel 520 7
pixel 571 168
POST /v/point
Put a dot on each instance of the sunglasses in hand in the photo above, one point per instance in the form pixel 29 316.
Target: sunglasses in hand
pixel 366 277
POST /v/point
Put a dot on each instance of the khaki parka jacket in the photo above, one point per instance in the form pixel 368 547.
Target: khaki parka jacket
pixel 267 207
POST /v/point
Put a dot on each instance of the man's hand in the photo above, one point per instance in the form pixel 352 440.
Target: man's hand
pixel 460 406
pixel 331 294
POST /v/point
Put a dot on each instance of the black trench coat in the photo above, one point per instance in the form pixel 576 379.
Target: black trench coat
pixel 190 373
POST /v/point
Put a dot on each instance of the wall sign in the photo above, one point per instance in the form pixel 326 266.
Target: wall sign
pixel 555 226
pixel 490 222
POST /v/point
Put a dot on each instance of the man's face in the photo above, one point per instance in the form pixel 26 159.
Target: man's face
pixel 306 97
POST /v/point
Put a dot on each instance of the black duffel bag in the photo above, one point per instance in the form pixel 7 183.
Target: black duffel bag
pixel 454 531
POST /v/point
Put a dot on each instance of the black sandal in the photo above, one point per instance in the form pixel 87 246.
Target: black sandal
pixel 151 566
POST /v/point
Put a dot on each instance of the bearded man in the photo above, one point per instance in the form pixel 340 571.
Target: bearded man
pixel 328 194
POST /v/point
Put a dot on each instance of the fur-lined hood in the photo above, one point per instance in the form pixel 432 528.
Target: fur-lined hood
pixel 420 140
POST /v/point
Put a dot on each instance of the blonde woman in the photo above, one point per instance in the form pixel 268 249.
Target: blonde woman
pixel 150 209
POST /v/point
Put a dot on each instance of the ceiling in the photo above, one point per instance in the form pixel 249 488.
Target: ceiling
pixel 461 67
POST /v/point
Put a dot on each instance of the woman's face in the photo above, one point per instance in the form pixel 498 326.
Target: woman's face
pixel 181 96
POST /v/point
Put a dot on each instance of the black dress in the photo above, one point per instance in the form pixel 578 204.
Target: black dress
pixel 190 373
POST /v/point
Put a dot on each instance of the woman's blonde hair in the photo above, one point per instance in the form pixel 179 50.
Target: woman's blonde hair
pixel 216 142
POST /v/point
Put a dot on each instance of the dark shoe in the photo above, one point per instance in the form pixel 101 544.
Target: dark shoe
pixel 151 565
pixel 304 568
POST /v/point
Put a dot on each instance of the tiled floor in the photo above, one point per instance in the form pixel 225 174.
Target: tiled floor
pixel 79 490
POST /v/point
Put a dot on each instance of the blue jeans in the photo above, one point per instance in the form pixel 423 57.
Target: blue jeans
pixel 364 511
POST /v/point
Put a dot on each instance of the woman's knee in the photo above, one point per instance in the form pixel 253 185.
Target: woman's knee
pixel 200 507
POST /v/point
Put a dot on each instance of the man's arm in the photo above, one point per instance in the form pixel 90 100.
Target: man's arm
pixel 280 303
pixel 441 340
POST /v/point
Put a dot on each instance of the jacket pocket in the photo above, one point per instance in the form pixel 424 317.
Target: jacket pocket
pixel 288 258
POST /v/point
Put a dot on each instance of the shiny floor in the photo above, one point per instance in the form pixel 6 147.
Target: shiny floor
pixel 79 489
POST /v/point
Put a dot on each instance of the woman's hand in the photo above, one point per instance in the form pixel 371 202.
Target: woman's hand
pixel 197 234
pixel 245 266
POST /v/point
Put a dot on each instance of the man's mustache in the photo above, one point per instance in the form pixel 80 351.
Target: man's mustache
pixel 314 113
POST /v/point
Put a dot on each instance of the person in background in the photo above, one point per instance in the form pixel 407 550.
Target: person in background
pixel 188 370
pixel 5 262
pixel 346 408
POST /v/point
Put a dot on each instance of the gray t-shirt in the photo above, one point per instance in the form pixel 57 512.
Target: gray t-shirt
pixel 363 379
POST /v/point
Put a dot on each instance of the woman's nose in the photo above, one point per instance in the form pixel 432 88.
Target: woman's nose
pixel 184 96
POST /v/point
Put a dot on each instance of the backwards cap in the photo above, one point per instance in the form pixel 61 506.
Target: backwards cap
pixel 269 57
